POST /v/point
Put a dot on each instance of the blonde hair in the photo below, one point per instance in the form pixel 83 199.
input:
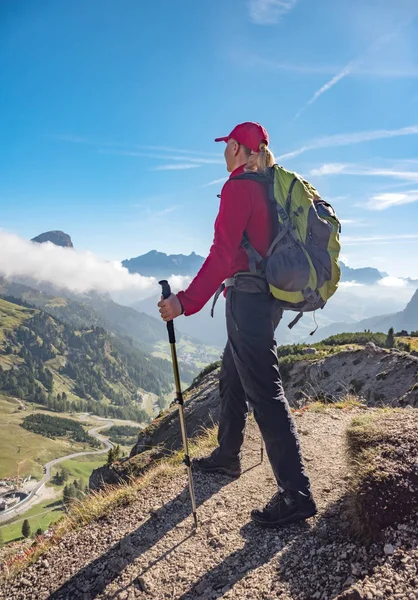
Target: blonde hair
pixel 260 161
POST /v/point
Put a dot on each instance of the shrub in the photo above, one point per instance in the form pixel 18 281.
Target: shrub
pixel 360 338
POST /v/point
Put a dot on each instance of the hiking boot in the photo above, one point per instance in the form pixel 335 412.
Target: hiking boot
pixel 215 464
pixel 284 508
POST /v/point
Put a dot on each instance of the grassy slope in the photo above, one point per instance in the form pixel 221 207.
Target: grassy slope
pixel 80 467
pixel 188 351
pixel 41 515
pixel 411 340
pixel 38 448
pixel 17 444
pixel 12 315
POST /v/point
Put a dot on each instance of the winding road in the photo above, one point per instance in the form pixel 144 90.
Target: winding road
pixel 22 506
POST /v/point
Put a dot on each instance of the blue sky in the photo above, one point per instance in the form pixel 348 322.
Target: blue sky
pixel 108 111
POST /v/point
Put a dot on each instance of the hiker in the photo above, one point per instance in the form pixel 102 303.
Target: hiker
pixel 249 373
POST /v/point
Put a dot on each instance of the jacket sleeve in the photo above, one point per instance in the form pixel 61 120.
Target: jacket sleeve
pixel 230 224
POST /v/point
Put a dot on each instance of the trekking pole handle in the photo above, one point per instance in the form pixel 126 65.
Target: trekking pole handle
pixel 166 290
pixel 166 293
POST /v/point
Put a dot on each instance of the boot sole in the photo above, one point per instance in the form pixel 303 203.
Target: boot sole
pixel 220 470
pixel 295 518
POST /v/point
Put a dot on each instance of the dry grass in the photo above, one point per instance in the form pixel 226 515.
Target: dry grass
pixel 348 402
pixel 97 504
pixel 381 446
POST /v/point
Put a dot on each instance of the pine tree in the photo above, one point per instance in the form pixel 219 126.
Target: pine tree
pixel 390 340
pixel 69 494
pixel 26 528
pixel 39 531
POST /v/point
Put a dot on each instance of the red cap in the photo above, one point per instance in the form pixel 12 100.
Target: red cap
pixel 248 134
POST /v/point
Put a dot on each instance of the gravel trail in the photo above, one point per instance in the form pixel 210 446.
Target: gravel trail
pixel 147 550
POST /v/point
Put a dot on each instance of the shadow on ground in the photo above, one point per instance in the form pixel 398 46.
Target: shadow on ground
pixel 55 505
pixel 91 580
pixel 326 561
pixel 308 561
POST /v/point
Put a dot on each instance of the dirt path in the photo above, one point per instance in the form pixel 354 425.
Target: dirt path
pixel 147 551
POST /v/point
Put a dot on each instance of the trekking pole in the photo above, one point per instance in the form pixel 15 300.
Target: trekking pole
pixel 261 449
pixel 166 292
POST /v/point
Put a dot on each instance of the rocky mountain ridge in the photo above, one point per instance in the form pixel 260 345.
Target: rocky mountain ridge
pixel 379 376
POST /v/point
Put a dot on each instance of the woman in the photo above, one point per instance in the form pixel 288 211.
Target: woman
pixel 249 373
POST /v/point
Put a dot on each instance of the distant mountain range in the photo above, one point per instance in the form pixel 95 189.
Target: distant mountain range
pixel 346 312
pixel 406 319
pixel 160 265
pixel 347 306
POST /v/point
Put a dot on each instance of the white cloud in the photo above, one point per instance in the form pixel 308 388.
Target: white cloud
pixel 177 150
pixel 348 222
pixel 387 200
pixel 378 71
pixel 164 211
pixel 349 68
pixel 329 169
pixel 216 182
pixel 178 282
pixel 92 141
pixel 349 284
pixel 349 240
pixel 352 169
pixel 191 159
pixel 79 272
pixel 143 151
pixel 348 139
pixel 268 12
pixel 393 282
pixel 343 73
pixel 175 167
pixel 411 176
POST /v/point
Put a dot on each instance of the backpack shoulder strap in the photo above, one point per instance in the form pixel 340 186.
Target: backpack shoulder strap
pixel 254 176
pixel 254 257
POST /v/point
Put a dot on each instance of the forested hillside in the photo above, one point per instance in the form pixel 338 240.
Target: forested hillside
pixel 137 329
pixel 47 361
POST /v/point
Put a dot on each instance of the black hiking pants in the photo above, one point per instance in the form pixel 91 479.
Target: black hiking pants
pixel 250 377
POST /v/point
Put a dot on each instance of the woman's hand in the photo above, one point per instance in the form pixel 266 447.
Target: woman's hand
pixel 170 308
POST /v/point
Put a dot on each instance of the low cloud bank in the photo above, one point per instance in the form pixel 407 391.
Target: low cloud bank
pixel 76 271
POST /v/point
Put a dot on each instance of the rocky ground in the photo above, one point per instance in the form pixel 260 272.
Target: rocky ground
pixel 147 550
pixel 380 377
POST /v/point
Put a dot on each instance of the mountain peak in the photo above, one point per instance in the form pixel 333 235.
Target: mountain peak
pixel 159 264
pixel 411 310
pixel 57 237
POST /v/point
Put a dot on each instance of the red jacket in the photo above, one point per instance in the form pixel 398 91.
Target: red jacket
pixel 244 206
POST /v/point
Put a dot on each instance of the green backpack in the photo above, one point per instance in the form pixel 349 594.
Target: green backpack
pixel 301 265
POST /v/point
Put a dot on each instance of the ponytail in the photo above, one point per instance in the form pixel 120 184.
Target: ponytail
pixel 261 160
